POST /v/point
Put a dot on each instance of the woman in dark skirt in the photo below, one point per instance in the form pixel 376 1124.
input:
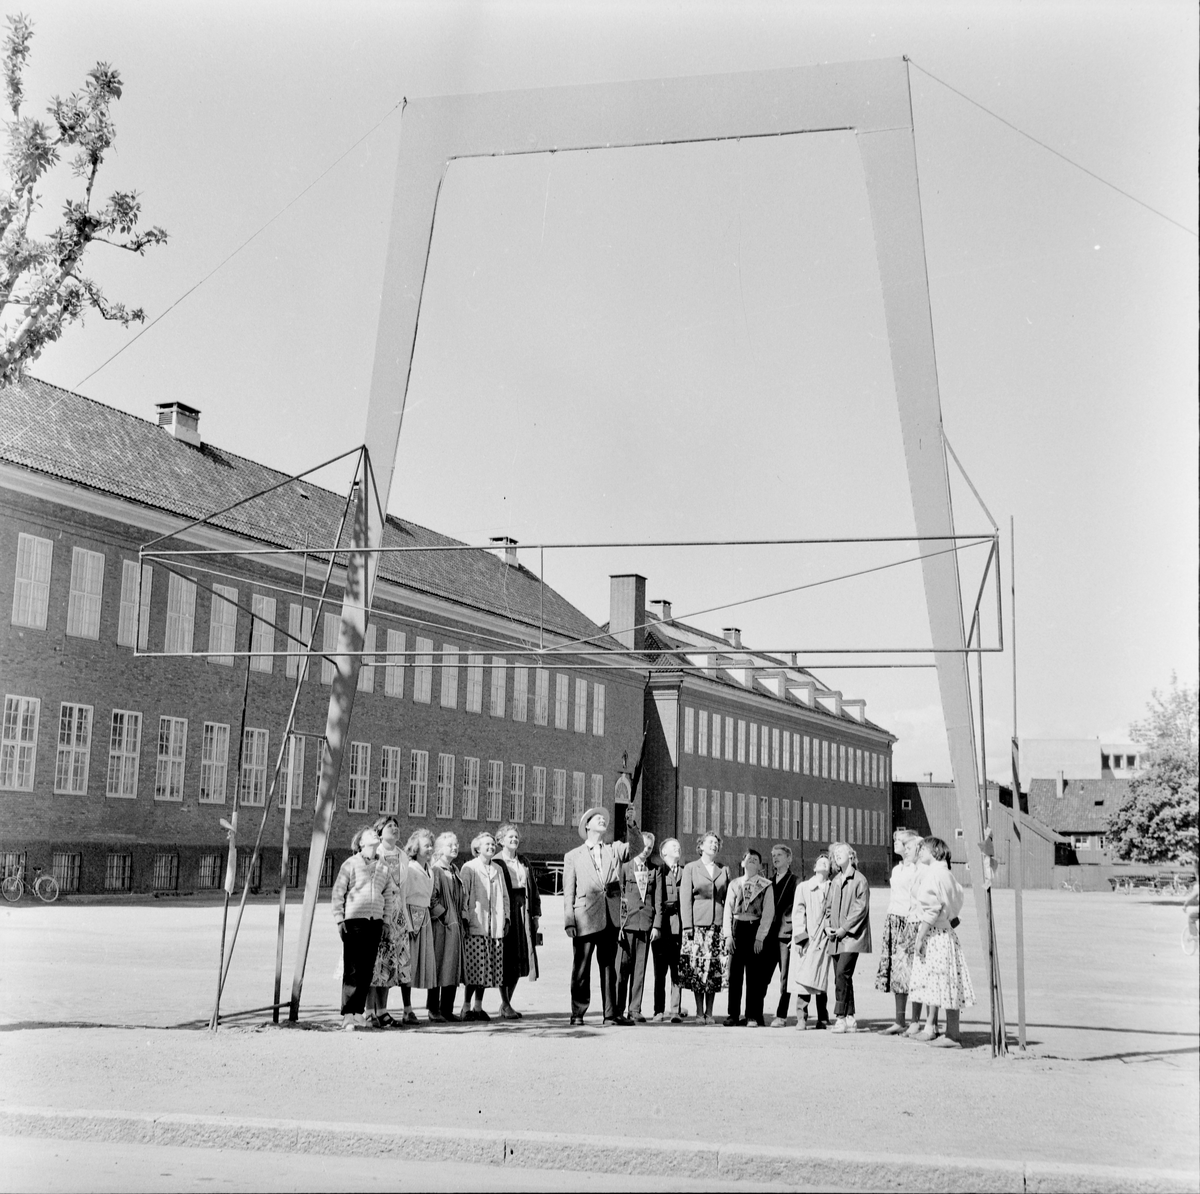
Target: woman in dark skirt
pixel 525 910
pixel 704 957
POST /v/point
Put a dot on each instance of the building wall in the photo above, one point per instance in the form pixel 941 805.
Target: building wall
pixel 56 667
pixel 673 782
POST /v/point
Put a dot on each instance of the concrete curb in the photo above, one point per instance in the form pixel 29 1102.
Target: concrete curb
pixel 597 1154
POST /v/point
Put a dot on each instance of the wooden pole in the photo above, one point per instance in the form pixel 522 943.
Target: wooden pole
pixel 1018 841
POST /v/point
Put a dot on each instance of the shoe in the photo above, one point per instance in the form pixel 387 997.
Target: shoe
pixel 821 1024
pixel 839 1025
pixel 507 1013
pixel 913 1030
pixel 895 1030
pixel 409 1017
pixel 676 1018
pixel 779 1022
pixel 927 1034
pixel 801 1023
pixel 451 1018
pixel 683 1015
pixel 608 1023
pixel 945 1042
pixel 623 1021
pixel 851 1024
pixel 350 1023
pixel 436 1017
pixel 731 1022
pixel 657 1018
pixel 480 1014
pixel 640 1019
pixel 753 1024
pixel 576 1019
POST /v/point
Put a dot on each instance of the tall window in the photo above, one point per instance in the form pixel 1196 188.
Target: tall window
pixel 520 704
pixel 728 813
pixel 474 683
pixel 787 751
pixel 701 810
pixel 31 593
pixel 537 801
pixel 558 812
pixel 752 815
pixel 253 788
pixel 393 672
pixel 449 677
pixel 763 812
pixel 581 688
pixel 124 744
pixel 806 746
pixel 470 790
pixel 741 741
pixel 87 588
pixel 716 736
pixel 18 743
pixel 389 781
pixel 686 811
pixel 825 837
pixel 729 739
pixel 134 619
pixel 689 730
pixel 291 774
pixel 842 822
pixel 423 671
pixel 806 807
pixel 597 793
pixel 330 625
pixel 495 790
pixel 262 632
pixel 858 823
pixel 181 615
pixel 774 816
pixel 562 700
pixel 499 684
pixel 825 758
pixel 516 792
pixel 445 787
pixel 598 710
pixel 541 696
pixel 222 626
pixel 702 735
pixel 740 824
pixel 775 749
pixel 796 753
pixel 842 762
pixel 858 767
pixel 418 782
pixel 366 672
pixel 754 744
pixel 299 628
pixel 785 819
pixel 358 796
pixel 214 762
pixel 74 749
pixel 715 820
pixel 172 745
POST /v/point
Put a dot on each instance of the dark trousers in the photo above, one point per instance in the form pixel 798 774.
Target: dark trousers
pixel 843 983
pixel 441 1000
pixel 666 962
pixel 771 957
pixel 742 968
pixel 604 945
pixel 360 944
pixel 822 1007
pixel 635 948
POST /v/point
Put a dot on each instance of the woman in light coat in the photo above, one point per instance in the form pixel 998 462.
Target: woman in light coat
pixel 848 922
pixel 447 927
pixel 810 965
pixel 486 918
pixel 419 904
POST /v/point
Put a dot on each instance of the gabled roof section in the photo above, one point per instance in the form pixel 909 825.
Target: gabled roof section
pixel 1084 807
pixel 55 432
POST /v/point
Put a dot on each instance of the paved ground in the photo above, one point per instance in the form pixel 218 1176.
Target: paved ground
pixel 100 1007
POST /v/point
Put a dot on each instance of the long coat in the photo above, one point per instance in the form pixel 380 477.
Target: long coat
pixel 448 925
pixel 848 907
pixel 591 898
pixel 810 961
pixel 485 899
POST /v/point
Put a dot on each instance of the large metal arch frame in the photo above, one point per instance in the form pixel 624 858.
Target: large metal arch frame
pixel 870 99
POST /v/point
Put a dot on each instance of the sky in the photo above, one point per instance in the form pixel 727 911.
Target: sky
pixel 688 342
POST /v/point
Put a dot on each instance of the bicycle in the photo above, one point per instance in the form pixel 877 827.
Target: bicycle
pixel 45 887
pixel 1069 885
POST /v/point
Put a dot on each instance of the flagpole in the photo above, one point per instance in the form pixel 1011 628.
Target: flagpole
pixel 1018 866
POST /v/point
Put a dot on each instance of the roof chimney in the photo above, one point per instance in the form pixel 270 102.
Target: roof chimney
pixel 180 421
pixel 1060 785
pixel 733 636
pixel 506 548
pixel 664 609
pixel 627 610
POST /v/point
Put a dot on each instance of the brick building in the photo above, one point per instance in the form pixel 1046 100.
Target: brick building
pixel 752 746
pixel 115 767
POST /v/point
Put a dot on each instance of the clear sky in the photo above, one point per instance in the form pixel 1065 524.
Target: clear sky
pixel 688 342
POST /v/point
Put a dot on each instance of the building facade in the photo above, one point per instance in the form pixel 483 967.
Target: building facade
pixel 140 697
pixel 752 746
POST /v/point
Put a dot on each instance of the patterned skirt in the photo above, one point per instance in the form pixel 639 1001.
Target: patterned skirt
pixel 941 976
pixel 704 962
pixel 423 969
pixel 895 964
pixel 391 962
pixel 483 961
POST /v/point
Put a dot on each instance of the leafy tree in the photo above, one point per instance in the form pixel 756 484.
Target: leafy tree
pixel 1157 821
pixel 41 287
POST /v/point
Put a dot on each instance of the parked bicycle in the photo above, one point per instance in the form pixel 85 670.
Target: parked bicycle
pixel 45 887
pixel 1072 885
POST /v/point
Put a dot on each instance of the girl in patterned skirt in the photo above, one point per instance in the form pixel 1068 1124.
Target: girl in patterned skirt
pixel 900 929
pixel 939 974
pixel 486 918
pixel 391 961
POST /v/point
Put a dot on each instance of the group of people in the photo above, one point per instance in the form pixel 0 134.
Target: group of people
pixel 411 918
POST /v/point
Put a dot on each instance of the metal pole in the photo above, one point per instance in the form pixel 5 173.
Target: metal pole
pixel 287 822
pixel 1018 841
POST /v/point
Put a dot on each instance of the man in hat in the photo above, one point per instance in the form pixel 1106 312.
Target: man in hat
pixel 592 909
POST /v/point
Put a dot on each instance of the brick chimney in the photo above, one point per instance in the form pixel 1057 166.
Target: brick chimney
pixel 627 610
pixel 506 548
pixel 732 635
pixel 181 421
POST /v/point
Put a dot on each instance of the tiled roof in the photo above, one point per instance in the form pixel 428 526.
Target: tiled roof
pixel 61 434
pixel 1085 806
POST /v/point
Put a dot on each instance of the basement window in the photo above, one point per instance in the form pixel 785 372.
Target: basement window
pixel 905 805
